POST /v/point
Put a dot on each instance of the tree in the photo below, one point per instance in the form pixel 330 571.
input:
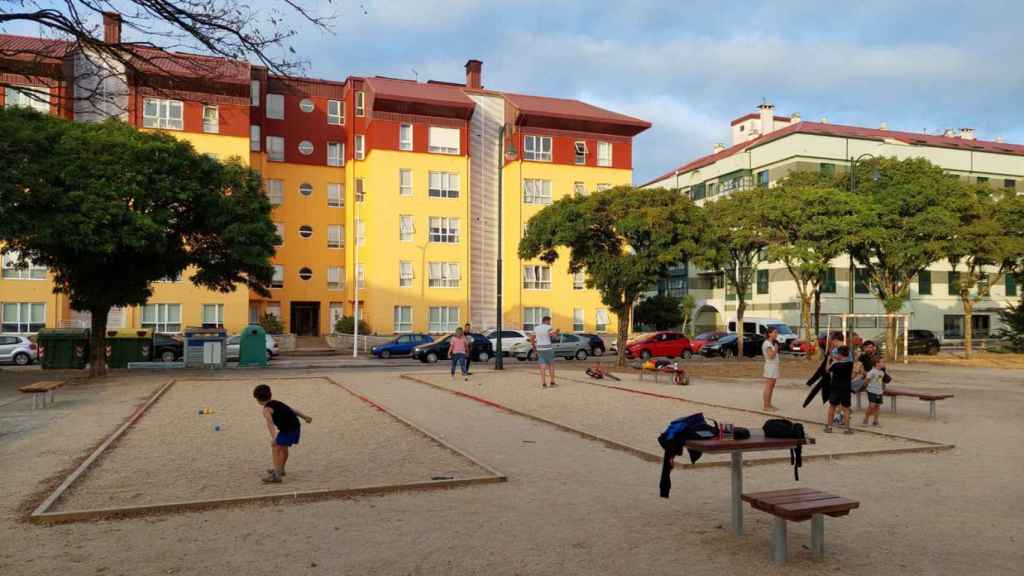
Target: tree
pixel 110 209
pixel 807 216
pixel 625 238
pixel 905 212
pixel 662 311
pixel 688 303
pixel 1012 330
pixel 733 241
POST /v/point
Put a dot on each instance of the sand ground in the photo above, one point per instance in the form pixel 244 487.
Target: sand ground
pixel 571 505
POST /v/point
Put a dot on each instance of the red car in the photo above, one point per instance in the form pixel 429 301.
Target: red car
pixel 706 338
pixel 665 344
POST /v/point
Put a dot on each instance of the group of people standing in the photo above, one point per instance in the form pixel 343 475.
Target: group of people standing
pixel 461 351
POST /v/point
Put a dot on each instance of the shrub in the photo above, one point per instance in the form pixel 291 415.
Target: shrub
pixel 1013 326
pixel 271 324
pixel 345 323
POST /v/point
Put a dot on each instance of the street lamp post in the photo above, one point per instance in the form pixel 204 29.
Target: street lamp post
pixel 499 363
pixel 853 270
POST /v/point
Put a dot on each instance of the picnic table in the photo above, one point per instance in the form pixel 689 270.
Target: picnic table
pixel 756 443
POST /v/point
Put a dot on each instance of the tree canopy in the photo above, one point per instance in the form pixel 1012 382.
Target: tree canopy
pixel 110 209
pixel 661 311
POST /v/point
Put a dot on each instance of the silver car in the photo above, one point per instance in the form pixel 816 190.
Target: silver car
pixel 234 346
pixel 19 350
pixel 567 346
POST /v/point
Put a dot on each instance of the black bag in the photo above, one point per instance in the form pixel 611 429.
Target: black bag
pixel 779 428
pixel 740 433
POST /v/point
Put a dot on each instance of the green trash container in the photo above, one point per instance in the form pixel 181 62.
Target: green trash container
pixel 252 348
pixel 63 348
pixel 132 345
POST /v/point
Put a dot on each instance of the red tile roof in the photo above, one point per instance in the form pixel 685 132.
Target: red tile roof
pixel 856 132
pixel 29 48
pixel 421 92
pixel 572 110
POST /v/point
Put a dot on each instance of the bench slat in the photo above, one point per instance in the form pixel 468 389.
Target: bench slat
pixel 817 507
pixel 772 493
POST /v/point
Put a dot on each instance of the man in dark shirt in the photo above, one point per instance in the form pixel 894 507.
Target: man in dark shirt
pixel 284 427
pixel 841 372
pixel 869 356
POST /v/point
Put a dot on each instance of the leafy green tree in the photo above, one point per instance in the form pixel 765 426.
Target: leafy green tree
pixel 689 303
pixel 110 209
pixel 1012 330
pixel 625 238
pixel 1010 216
pixel 733 241
pixel 905 213
pixel 662 311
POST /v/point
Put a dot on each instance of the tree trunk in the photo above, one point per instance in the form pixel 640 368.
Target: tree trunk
pixel 741 307
pixel 891 336
pixel 968 326
pixel 623 318
pixel 805 321
pixel 98 342
pixel 817 322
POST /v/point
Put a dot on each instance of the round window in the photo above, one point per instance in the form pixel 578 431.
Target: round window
pixel 306 105
pixel 306 147
pixel 305 188
pixel 305 231
pixel 305 273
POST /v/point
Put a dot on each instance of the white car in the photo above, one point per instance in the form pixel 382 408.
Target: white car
pixel 234 345
pixel 509 339
pixel 761 326
pixel 18 349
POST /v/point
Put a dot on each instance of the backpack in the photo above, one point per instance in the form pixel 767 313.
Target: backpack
pixel 780 428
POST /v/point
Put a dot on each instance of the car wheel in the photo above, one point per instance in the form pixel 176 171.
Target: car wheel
pixel 598 351
pixel 581 354
pixel 686 355
pixel 520 357
pixel 22 359
pixel 385 354
pixel 645 355
pixel 431 358
pixel 728 353
pixel 933 349
pixel 167 356
pixel 483 356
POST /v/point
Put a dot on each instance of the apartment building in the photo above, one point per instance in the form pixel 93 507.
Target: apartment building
pixel 384 191
pixel 766 147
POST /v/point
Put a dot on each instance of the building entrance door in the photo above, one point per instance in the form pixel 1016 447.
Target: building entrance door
pixel 306 318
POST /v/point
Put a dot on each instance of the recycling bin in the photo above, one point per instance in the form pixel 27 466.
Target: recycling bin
pixel 63 348
pixel 124 346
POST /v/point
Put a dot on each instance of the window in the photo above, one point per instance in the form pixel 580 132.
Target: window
pixel 533 316
pixel 536 277
pixel 406 228
pixel 213 315
pixel 305 273
pixel 444 230
pixel 403 318
pixel 578 281
pixel 444 185
pixel 335 195
pixel 360 277
pixel 335 112
pixel 163 317
pixel 306 189
pixel 953 326
pixel 602 187
pixel 280 234
pixel 211 119
pixel 829 285
pixel 254 138
pixel 13 270
pixel 360 147
pixel 335 153
pixel 360 232
pixel 577 320
pixel 23 317
pixel 273 309
pixel 712 189
pixel 254 93
pixel 405 274
pixel 360 104
pixel 334 236
pixel 1010 184
pixel 581 152
pixel 405 182
pixel 601 319
pixel 275 106
pixel 924 283
pixel 335 278
pixel 405 137
pixel 698 192
pixel 860 281
pixel 953 284
pixel 275 148
pixel 305 147
pixel 827 169
pixel 537 148
pixel 443 140
pixel 604 154
pixel 579 189
pixel 360 191
pixel 278 279
pixel 762 281
pixel 443 319
pixel 536 191
pixel 762 178
pixel 982 179
pixel 307 105
pixel 1011 285
pixel 275 191
pixel 443 275
pixel 167 114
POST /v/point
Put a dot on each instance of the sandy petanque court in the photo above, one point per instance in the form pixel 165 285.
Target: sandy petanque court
pixel 205 440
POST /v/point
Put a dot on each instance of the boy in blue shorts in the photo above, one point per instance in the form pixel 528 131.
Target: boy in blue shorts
pixel 284 427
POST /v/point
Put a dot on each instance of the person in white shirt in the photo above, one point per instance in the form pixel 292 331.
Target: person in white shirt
pixel 876 390
pixel 770 348
pixel 541 339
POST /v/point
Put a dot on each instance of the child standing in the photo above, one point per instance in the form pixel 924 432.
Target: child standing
pixel 841 372
pixel 283 419
pixel 876 387
pixel 458 351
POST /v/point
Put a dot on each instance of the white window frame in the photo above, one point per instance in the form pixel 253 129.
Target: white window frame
pixel 278 279
pixel 601 320
pixel 578 320
pixel 275 191
pixel 360 99
pixel 25 96
pixel 335 236
pixel 254 93
pixel 443 185
pixel 13 271
pixel 579 281
pixel 444 230
pixel 437 137
pixel 536 191
pixel 335 153
pixel 444 275
pixel 360 147
pixel 442 319
pixel 255 139
pixel 580 149
pixel 406 228
pixel 163 114
pixel 405 274
pixel 211 119
pixel 360 232
pixel 602 187
pixel 534 315
pixel 360 276
pixel 604 154
pixel 218 315
pixel 275 148
pixel 279 227
pixel 336 112
pixel 161 317
pixel 360 189
pixel 335 278
pixel 579 188
pixel 405 182
pixel 335 195
pixel 537 148
pixel 404 143
pixel 22 322
pixel 536 277
pixel 275 106
pixel 403 319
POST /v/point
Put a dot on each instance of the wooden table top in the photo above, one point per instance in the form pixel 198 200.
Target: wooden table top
pixel 756 442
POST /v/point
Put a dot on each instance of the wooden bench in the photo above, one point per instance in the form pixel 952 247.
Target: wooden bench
pixel 797 505
pixel 894 393
pixel 42 390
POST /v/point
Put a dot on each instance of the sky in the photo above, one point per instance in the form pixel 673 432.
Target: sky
pixel 691 67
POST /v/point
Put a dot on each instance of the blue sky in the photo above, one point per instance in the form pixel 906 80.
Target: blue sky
pixel 690 67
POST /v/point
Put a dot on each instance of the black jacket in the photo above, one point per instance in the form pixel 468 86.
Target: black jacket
pixel 674 447
pixel 820 380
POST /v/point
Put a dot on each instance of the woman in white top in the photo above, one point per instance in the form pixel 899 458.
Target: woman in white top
pixel 770 348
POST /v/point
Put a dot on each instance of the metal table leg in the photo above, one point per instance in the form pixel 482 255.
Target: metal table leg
pixel 892 403
pixel 818 536
pixel 781 541
pixel 858 400
pixel 737 493
pixel 931 409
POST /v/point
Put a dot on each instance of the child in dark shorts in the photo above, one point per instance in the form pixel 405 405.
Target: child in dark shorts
pixel 841 372
pixel 876 390
pixel 284 427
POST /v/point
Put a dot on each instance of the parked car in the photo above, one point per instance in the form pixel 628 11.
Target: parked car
pixel 762 325
pixel 400 346
pixel 595 342
pixel 725 346
pixel 918 342
pixel 509 338
pixel 234 346
pixel 567 346
pixel 480 349
pixel 705 338
pixel 857 340
pixel 168 347
pixel 666 344
pixel 20 350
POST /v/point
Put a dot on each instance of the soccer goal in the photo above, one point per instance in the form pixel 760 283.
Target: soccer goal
pixel 846 322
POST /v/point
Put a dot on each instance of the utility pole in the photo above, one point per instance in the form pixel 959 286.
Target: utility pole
pixel 499 363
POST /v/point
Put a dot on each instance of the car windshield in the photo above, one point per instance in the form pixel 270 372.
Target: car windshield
pixel 708 336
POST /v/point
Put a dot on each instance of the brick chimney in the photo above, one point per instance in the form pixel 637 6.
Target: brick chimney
pixel 474 74
pixel 111 27
pixel 718 148
pixel 967 133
